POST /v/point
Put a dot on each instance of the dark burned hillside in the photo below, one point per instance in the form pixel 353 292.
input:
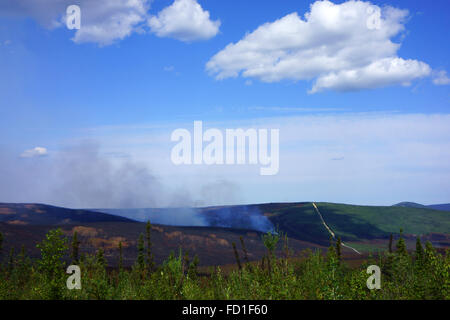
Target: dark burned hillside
pixel 42 214
pixel 212 245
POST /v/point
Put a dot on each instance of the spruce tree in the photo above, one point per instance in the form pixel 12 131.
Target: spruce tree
pixel 401 262
pixel 100 259
pixel 390 243
pixel 141 256
pixel 192 271
pixel 338 249
pixel 51 265
pixel 401 245
pixel 419 251
pixel 150 262
pixel 430 252
pixel 120 257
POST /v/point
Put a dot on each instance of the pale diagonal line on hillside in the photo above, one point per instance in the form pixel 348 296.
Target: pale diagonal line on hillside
pixel 331 231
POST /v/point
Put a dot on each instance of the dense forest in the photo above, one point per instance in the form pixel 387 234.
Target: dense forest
pixel 421 274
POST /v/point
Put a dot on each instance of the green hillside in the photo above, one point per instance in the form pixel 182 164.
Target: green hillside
pixel 353 222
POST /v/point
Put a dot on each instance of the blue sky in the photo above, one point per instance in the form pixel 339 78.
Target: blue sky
pixel 58 88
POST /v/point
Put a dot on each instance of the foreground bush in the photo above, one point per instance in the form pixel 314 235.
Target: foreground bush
pixel 424 274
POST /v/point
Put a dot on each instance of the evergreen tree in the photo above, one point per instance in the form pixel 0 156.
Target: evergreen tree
pixel 75 248
pixel 401 245
pixel 419 251
pixel 430 252
pixel 390 243
pixel 141 256
pixel 192 271
pixel 150 262
pixel 186 263
pixel 120 257
pixel 100 259
pixel 338 249
pixel 53 248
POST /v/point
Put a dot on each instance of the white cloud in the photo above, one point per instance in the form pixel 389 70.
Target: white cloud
pixel 102 21
pixel 107 21
pixel 342 47
pixel 381 73
pixel 184 20
pixel 440 78
pixel 35 152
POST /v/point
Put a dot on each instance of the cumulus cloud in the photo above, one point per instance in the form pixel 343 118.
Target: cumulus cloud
pixel 440 78
pixel 102 21
pixel 107 21
pixel 381 73
pixel 342 47
pixel 184 20
pixel 35 152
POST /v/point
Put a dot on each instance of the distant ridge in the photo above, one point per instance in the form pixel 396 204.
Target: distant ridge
pixel 440 207
pixel 42 214
pixel 407 204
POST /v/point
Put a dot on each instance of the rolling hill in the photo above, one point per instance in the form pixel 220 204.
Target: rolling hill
pixel 300 221
pixel 440 207
pixel 354 223
pixel 218 227
pixel 42 214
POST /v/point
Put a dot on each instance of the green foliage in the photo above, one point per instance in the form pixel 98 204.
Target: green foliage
pixel 339 249
pixel 390 243
pixel 270 240
pixel 401 245
pixel 140 261
pixel 150 262
pixel 308 275
pixel 120 257
pixel 419 252
pixel 51 265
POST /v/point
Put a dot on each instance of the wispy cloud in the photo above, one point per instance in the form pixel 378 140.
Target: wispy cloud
pixel 440 78
pixel 35 152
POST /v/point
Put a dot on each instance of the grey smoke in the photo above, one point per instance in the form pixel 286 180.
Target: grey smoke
pixel 240 217
pixel 81 176
pixel 167 216
pixel 86 179
pixel 237 217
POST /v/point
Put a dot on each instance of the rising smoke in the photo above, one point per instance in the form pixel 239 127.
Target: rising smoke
pixel 83 177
